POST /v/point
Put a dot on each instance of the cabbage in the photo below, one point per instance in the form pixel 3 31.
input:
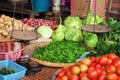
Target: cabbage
pixel 91 40
pixel 73 21
pixel 45 31
pixel 73 34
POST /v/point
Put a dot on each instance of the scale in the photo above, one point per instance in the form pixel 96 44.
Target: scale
pixel 94 28
pixel 22 34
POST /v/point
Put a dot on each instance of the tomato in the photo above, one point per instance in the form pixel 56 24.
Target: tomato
pixel 118 77
pixel 57 78
pixel 118 69
pixel 64 77
pixel 93 64
pixel 112 76
pixel 82 74
pixel 83 67
pixel 93 74
pixel 113 56
pixel 68 72
pixel 110 68
pixel 110 61
pixel 75 70
pixel 97 59
pixel 90 69
pixel 116 62
pixel 92 58
pixel 102 77
pixel 97 66
pixel 103 60
pixel 73 77
pixel 84 78
pixel 99 71
pixel 86 61
pixel 61 72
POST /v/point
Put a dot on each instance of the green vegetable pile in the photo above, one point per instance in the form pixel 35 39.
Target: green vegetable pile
pixel 109 42
pixel 6 71
pixel 60 52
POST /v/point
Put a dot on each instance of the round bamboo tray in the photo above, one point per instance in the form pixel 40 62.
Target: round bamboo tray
pixel 28 50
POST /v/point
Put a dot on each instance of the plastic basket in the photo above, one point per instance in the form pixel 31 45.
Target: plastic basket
pixel 19 70
pixel 14 55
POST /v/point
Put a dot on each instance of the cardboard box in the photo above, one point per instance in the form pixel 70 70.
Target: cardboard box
pixel 80 7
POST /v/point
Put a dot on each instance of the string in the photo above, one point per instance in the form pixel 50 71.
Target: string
pixel 22 15
pixel 88 9
pixel 94 9
pixel 13 18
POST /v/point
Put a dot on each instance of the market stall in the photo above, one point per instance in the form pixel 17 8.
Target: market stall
pixel 70 41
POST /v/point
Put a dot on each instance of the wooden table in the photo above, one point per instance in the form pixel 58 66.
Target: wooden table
pixel 45 74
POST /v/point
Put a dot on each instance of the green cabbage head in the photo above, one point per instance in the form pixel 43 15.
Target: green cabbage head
pixel 73 34
pixel 73 21
pixel 91 40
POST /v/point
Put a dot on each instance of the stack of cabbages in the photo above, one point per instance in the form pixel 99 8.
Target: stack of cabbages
pixel 70 30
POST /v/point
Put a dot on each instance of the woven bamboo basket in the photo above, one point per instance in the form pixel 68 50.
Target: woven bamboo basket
pixel 28 50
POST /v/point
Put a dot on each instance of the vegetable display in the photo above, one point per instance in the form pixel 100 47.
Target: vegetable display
pixel 105 67
pixel 60 52
pixel 6 71
pixel 108 42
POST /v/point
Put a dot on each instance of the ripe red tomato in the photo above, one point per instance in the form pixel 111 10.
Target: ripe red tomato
pixel 102 77
pixel 110 68
pixel 93 74
pixel 99 70
pixel 93 64
pixel 116 62
pixel 110 61
pixel 82 74
pixel 73 77
pixel 118 69
pixel 113 56
pixel 103 60
pixel 90 69
pixel 68 72
pixel 112 76
pixel 61 72
pixel 97 66
pixel 118 77
pixel 92 58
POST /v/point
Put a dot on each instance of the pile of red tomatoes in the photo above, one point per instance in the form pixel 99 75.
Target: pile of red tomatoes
pixel 105 67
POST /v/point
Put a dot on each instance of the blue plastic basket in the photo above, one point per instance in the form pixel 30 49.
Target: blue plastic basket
pixel 19 70
pixel 40 5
